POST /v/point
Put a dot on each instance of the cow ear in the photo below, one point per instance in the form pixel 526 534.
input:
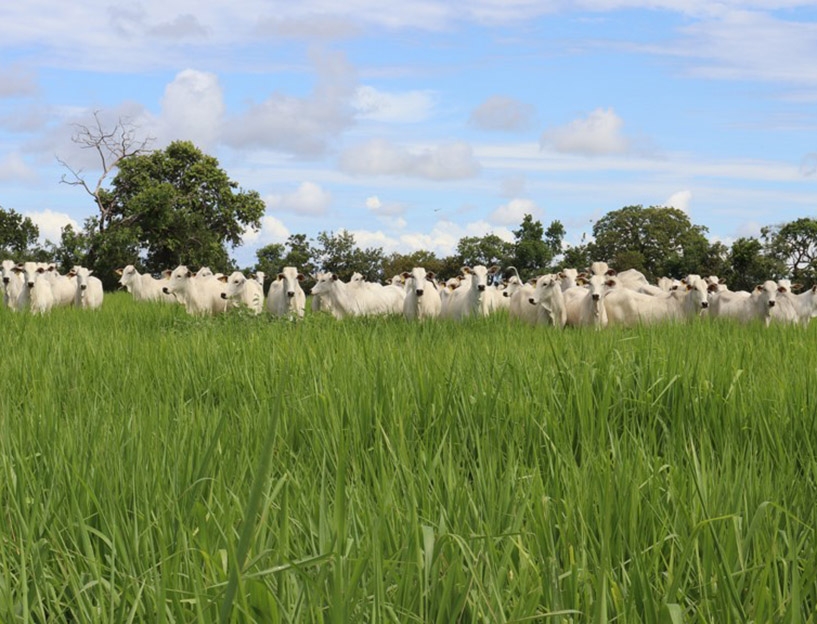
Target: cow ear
pixel 430 276
pixel 118 271
pixel 222 278
pixel 405 275
pixel 796 286
pixel 611 273
pixel 465 270
pixel 167 273
pixel 759 287
pixel 334 277
pixel 189 274
pixel 280 276
pixel 610 283
pixel 300 277
pixel 493 270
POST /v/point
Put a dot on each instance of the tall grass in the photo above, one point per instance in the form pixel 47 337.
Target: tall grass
pixel 156 467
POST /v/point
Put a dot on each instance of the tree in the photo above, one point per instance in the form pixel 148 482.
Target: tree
pixel 748 265
pixel 300 254
pixel 72 249
pixel 397 263
pixel 656 240
pixel 176 206
pixel 269 259
pixel 18 235
pixel 340 254
pixel 531 253
pixel 113 147
pixel 794 246
pixel 487 250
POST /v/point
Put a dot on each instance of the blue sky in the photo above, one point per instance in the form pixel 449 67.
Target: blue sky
pixel 414 124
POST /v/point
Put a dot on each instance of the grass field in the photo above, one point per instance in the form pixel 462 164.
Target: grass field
pixel 160 468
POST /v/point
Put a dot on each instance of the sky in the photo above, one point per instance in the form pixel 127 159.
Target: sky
pixel 414 124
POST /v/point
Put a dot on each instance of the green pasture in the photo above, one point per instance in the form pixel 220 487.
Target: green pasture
pixel 161 468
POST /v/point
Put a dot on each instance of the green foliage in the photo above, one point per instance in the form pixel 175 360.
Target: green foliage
pixel 177 206
pixel 486 250
pixel 397 263
pixel 18 235
pixel 794 246
pixel 748 266
pixel 656 240
pixel 340 254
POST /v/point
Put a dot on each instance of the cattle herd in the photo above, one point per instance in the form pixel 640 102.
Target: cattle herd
pixel 596 297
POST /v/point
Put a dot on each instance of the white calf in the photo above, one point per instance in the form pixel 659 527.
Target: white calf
pixel 286 297
pixel 240 291
pixel 473 298
pixel 549 302
pixel 88 293
pixel 12 284
pixel 585 304
pixel 422 299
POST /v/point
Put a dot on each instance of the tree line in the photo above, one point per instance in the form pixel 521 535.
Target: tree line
pixel 177 206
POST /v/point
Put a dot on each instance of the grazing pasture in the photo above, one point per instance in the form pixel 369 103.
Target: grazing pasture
pixel 166 468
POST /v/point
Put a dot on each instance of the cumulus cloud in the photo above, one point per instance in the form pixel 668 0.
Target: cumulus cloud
pixel 450 161
pixel 391 209
pixel 302 126
pixel 597 134
pixel 192 108
pixel 407 107
pixel 514 211
pixel 679 200
pixel 272 231
pixel 502 113
pixel 308 199
pixel 51 223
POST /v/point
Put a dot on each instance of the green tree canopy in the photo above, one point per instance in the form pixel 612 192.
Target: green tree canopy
pixel 340 254
pixel 177 206
pixel 18 235
pixel 487 250
pixel 748 265
pixel 396 263
pixel 794 246
pixel 656 240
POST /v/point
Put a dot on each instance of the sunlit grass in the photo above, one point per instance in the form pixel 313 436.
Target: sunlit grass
pixel 156 467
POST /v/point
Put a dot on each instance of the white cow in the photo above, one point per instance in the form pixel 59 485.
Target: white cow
pixel 744 306
pixel 472 298
pixel 568 278
pixel 320 304
pixel 549 301
pixel 240 291
pixel 12 284
pixel 518 294
pixel 88 293
pixel 349 300
pixel 794 308
pixel 286 297
pixel 143 286
pixel 259 276
pixel 36 294
pixel 422 299
pixel 585 303
pixel 64 287
pixel 200 295
pixel 630 307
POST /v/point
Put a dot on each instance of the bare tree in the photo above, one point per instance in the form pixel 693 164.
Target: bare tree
pixel 112 146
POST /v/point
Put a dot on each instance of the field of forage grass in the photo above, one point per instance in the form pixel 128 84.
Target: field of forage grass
pixel 161 468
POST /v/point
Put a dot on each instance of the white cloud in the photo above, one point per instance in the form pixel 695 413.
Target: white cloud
pixel 16 82
pixel 406 107
pixel 192 108
pixel 597 134
pixel 450 161
pixel 748 228
pixel 679 200
pixel 272 231
pixel 392 209
pixel 303 126
pixel 51 223
pixel 13 167
pixel 502 113
pixel 514 211
pixel 308 199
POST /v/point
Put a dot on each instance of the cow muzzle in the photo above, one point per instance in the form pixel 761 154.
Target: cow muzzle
pixel 165 290
pixel 704 304
pixel 5 280
pixel 481 287
pixel 30 285
pixel 83 287
pixel 290 293
pixel 595 296
pixel 420 292
pixel 771 304
pixel 223 295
